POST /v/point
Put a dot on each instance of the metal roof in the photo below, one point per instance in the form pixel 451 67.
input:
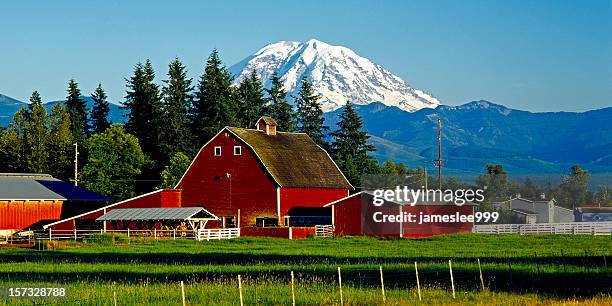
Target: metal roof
pixel 183 213
pixel 34 186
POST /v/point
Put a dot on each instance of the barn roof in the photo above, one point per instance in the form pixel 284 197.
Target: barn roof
pixel 34 186
pixel 182 213
pixel 293 159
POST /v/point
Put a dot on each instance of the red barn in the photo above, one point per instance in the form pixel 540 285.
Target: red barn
pixel 354 216
pixel 250 178
pixel 256 176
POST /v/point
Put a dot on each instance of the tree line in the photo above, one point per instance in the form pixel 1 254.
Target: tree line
pixel 166 124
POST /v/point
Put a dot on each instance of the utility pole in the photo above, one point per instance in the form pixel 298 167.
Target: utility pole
pixel 425 169
pixel 76 164
pixel 440 164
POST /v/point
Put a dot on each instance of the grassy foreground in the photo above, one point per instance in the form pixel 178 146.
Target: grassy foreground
pixel 517 270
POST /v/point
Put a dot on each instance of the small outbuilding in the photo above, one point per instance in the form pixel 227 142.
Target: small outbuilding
pixel 30 200
pixel 356 215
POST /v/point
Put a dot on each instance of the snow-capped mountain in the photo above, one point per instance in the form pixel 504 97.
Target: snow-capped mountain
pixel 338 74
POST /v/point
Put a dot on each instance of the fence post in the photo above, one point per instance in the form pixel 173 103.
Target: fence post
pixel 481 279
pixel 292 288
pixel 240 289
pixel 340 285
pixel 75 234
pixel 155 233
pixel 50 234
pixel 115 297
pixel 450 267
pixel 382 284
pixel 128 232
pixel 416 271
pixel 183 293
pixel 174 234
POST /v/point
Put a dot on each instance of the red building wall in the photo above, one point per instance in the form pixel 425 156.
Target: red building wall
pixel 206 183
pixel 18 215
pixel 278 232
pixel 347 217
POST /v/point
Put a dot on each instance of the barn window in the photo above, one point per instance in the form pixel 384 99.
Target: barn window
pixel 217 151
pixel 237 150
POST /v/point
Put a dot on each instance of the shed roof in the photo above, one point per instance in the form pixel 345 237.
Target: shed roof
pixel 34 186
pixel 180 214
pixel 293 159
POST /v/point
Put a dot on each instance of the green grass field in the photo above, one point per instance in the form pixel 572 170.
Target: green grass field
pixel 517 270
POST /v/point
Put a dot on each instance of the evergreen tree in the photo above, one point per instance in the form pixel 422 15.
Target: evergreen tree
pixel 99 112
pixel 252 101
pixel 175 169
pixel 77 108
pixel 309 114
pixel 37 135
pixel 279 108
pixel 12 144
pixel 351 143
pixel 176 135
pixel 214 106
pixel 115 160
pixel 575 185
pixel 61 143
pixel 145 110
pixel 495 183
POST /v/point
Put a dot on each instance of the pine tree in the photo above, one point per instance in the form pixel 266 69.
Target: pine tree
pixel 37 135
pixel 309 114
pixel 145 110
pixel 61 143
pixel 99 112
pixel 176 135
pixel 77 108
pixel 351 143
pixel 214 106
pixel 12 144
pixel 279 108
pixel 252 101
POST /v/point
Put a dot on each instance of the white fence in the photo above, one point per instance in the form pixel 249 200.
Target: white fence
pixel 217 234
pixel 74 234
pixel 324 230
pixel 588 228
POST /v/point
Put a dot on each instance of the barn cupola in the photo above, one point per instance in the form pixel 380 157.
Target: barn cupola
pixel 267 125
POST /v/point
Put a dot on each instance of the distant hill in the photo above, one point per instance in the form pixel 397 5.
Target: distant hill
pixel 9 106
pixel 482 132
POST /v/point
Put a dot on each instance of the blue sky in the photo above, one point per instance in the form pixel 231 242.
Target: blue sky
pixel 533 55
